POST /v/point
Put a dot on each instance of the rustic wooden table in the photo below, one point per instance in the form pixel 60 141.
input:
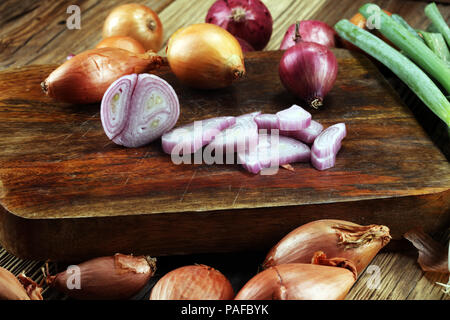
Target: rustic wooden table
pixel 35 32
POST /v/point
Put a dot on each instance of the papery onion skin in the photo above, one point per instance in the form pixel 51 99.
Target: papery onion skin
pixel 299 281
pixel 205 56
pixel 10 287
pixel 86 77
pixel 107 278
pixel 309 31
pixel 136 21
pixel 247 19
pixel 122 42
pixel 336 238
pixel 309 71
pixel 197 282
pixel 33 290
pixel 138 109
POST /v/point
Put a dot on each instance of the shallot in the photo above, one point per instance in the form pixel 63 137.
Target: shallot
pixel 122 42
pixel 327 145
pixel 106 278
pixel 243 135
pixel 138 109
pixel 307 135
pixel 294 118
pixel 247 19
pixel 324 279
pixel 309 31
pixel 85 77
pixel 12 288
pixel 337 238
pixel 272 151
pixel 192 137
pixel 197 282
pixel 309 71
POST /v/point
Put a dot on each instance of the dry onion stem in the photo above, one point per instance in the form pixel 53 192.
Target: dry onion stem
pixel 21 288
pixel 337 238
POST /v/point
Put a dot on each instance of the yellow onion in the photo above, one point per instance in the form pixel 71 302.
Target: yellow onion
pixel 337 238
pixel 86 77
pixel 12 288
pixel 107 278
pixel 324 279
pixel 136 21
pixel 205 56
pixel 197 282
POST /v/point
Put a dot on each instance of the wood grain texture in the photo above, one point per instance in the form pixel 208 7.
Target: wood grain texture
pixel 59 171
pixel 17 49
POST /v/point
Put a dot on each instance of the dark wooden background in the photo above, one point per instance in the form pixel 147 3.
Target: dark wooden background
pixel 35 32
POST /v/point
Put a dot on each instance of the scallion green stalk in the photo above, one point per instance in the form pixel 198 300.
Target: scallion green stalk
pixel 406 70
pixel 405 24
pixel 413 48
pixel 435 16
pixel 436 43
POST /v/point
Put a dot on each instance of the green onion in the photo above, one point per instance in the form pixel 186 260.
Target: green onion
pixel 435 16
pixel 432 28
pixel 405 24
pixel 437 44
pixel 406 70
pixel 413 48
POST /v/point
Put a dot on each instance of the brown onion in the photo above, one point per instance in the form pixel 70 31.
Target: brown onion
pixel 197 282
pixel 325 279
pixel 136 21
pixel 125 43
pixel 12 289
pixel 86 77
pixel 337 238
pixel 106 278
pixel 205 56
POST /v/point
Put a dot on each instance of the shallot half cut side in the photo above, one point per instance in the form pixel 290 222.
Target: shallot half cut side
pixel 138 109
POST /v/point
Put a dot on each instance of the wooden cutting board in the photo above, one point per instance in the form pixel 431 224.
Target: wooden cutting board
pixel 68 193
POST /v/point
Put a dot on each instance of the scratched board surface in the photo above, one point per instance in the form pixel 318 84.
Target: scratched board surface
pixel 59 172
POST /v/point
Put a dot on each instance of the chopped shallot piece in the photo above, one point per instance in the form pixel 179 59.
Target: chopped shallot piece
pixel 294 118
pixel 307 135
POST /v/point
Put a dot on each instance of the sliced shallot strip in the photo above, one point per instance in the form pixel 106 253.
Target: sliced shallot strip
pixel 242 135
pixel 323 163
pixel 294 118
pixel 267 121
pixel 272 151
pixel 307 135
pixel 137 110
pixel 329 141
pixel 192 137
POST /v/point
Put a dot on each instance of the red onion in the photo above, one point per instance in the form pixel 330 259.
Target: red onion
pixel 245 46
pixel 246 19
pixel 309 71
pixel 136 110
pixel 192 137
pixel 309 31
pixel 241 136
pixel 327 145
pixel 307 135
pixel 273 151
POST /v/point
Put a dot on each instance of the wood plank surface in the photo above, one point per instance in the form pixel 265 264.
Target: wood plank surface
pixel 43 44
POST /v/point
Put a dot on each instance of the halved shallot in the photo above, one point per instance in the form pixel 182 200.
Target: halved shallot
pixel 137 109
pixel 192 137
pixel 243 135
pixel 272 151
